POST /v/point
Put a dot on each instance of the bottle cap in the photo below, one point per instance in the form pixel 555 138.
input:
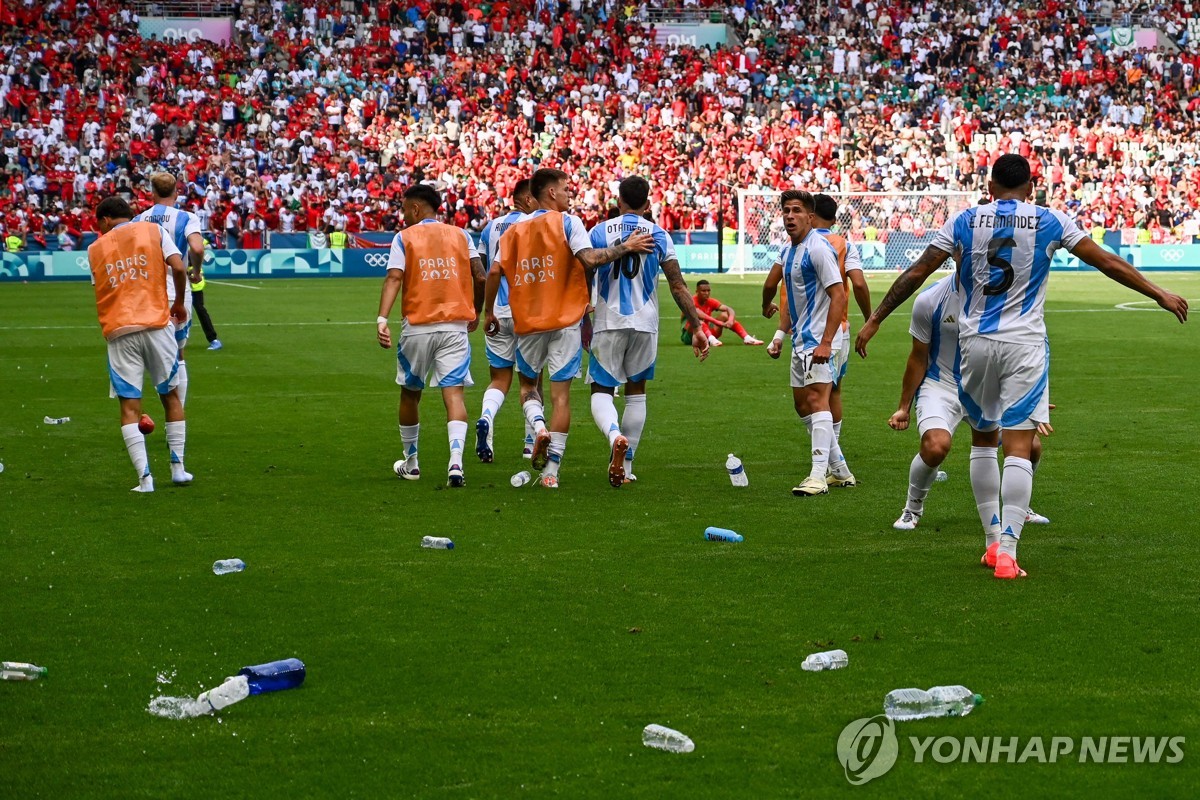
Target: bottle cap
pixel 978 699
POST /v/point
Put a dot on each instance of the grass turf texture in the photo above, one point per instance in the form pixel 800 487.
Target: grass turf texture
pixel 526 661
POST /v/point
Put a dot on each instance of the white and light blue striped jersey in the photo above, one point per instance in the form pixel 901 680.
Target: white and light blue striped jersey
pixel 489 242
pixel 809 269
pixel 935 323
pixel 1006 251
pixel 178 224
pixel 626 290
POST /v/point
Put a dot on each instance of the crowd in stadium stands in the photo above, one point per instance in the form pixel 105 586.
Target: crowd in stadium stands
pixel 321 113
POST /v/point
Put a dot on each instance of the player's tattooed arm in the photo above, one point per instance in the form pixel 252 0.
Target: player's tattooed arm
pixel 680 293
pixel 594 257
pixel 903 288
pixel 479 281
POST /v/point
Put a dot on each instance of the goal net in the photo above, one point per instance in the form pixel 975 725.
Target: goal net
pixel 890 229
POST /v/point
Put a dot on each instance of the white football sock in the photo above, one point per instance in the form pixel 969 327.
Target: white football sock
pixel 181 386
pixel 408 438
pixel 535 414
pixel 920 479
pixel 135 445
pixel 633 421
pixel 837 460
pixel 822 439
pixel 1016 486
pixel 493 399
pixel 457 431
pixel 176 439
pixel 604 412
pixel 558 446
pixel 985 483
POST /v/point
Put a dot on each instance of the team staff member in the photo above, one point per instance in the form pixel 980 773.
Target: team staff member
pixel 129 264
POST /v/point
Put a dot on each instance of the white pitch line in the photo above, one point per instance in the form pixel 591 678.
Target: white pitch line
pixel 238 285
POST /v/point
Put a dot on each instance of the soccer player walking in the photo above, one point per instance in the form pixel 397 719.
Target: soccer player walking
pixel 1006 248
pixel 129 264
pixel 502 347
pixel 548 258
pixel 814 305
pixel 438 269
pixel 625 339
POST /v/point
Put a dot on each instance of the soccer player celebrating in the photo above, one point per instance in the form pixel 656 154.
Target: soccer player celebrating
pixel 1006 249
pixel 441 275
pixel 129 264
pixel 184 230
pixel 716 317
pixel 815 303
pixel 547 258
pixel 501 348
pixel 625 339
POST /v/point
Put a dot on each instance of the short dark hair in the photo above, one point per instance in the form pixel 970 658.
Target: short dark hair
pixel 114 208
pixel 634 191
pixel 1011 171
pixel 424 193
pixel 825 206
pixel 702 283
pixel 542 179
pixel 521 188
pixel 805 198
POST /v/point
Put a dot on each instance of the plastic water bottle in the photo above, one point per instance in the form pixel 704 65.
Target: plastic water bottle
pixel 520 479
pixel 721 535
pixel 830 659
pixel 940 701
pixel 737 473
pixel 228 565
pixel 20 671
pixel 437 542
pixel 275 676
pixel 56 420
pixel 941 476
pixel 233 690
pixel 663 738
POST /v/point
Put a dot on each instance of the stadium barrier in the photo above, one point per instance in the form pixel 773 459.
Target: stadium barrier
pixel 359 263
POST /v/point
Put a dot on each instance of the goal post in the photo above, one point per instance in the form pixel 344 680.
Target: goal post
pixel 891 229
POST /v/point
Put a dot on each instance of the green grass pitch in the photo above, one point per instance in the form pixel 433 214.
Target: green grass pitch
pixel 526 662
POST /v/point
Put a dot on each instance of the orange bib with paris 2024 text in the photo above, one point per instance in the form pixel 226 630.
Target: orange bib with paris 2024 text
pixel 437 275
pixel 547 286
pixel 130 277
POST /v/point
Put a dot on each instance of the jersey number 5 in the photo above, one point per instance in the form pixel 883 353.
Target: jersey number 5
pixel 996 262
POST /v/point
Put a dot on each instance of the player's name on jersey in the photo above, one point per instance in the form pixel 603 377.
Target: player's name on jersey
pixel 994 221
pixel 617 226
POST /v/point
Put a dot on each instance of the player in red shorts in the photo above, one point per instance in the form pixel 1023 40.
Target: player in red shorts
pixel 716 318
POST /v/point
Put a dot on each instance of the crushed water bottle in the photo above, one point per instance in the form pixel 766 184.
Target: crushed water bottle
pixel 830 659
pixel 940 701
pixel 275 676
pixel 56 420
pixel 233 690
pixel 520 479
pixel 228 565
pixel 941 476
pixel 20 671
pixel 663 738
pixel 437 542
pixel 721 535
pixel 737 473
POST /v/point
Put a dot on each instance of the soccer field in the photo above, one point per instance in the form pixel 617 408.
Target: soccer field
pixel 526 661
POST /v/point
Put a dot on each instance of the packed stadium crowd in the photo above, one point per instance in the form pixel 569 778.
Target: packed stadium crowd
pixel 319 114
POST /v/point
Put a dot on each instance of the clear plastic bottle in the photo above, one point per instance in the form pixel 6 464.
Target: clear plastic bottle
pixel 20 671
pixel 287 673
pixel 664 738
pixel 437 542
pixel 939 701
pixel 830 659
pixel 737 473
pixel 233 690
pixel 228 565
pixel 520 479
pixel 56 420
pixel 941 476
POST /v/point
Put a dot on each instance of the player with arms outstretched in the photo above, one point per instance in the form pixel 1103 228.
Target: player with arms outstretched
pixel 1006 246
pixel 625 338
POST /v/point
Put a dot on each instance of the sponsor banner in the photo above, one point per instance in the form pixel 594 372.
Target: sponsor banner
pixel 702 34
pixel 210 29
pixel 703 257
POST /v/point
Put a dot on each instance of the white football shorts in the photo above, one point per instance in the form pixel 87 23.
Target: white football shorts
pixel 806 373
pixel 501 349
pixel 561 351
pixel 1004 385
pixel 441 359
pixel 622 356
pixel 841 349
pixel 938 407
pixel 133 355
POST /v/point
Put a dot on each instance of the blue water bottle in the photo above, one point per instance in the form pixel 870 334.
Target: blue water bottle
pixel 274 677
pixel 721 535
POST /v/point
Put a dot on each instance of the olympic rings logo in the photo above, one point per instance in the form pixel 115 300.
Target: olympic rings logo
pixel 376 260
pixel 911 254
pixel 1172 255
